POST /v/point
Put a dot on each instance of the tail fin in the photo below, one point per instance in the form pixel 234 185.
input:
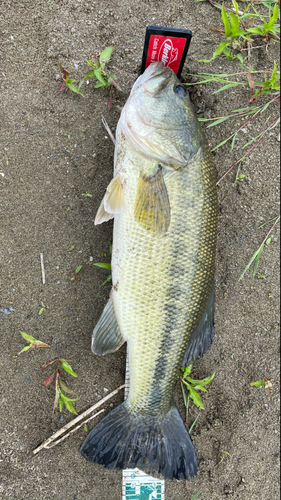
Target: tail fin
pixel 160 444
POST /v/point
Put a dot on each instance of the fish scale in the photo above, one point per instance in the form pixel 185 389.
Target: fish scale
pixel 164 203
pixel 170 303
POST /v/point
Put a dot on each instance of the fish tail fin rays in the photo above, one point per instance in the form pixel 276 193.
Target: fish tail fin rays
pixel 107 337
pixel 202 338
pixel 112 202
pixel 156 444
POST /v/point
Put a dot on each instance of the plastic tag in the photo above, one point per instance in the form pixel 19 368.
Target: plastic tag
pixel 169 45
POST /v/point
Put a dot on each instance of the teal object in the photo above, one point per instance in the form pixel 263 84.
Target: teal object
pixel 143 492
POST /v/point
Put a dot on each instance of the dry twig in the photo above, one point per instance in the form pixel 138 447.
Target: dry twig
pixel 42 268
pixel 76 420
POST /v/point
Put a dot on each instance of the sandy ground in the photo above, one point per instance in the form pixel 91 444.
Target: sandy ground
pixel 54 148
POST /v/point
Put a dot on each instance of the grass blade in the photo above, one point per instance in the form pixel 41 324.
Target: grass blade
pixel 257 259
pixel 192 426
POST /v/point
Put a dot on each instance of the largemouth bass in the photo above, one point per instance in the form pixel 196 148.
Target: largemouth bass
pixel 164 203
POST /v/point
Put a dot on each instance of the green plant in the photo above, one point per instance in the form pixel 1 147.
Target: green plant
pixel 42 308
pixel 98 72
pixel 104 265
pixel 98 64
pixel 77 270
pixel 68 82
pixel 33 343
pixel 239 29
pixel 264 382
pixel 61 389
pixel 257 255
pixel 196 495
pixel 190 387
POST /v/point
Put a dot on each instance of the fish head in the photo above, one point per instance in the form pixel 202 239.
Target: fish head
pixel 158 119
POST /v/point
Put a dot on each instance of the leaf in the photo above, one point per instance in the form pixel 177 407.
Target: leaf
pixel 26 348
pixel 255 30
pixel 41 310
pixel 219 50
pixel 269 26
pixel 233 141
pixel 68 403
pixel 103 265
pixel 184 395
pixel 227 27
pixel 204 381
pixel 196 496
pixel 91 74
pixel 66 366
pixel 257 259
pixel 98 85
pixel 106 54
pixel 61 404
pixel 47 364
pixel 91 63
pixel 258 383
pixel 235 32
pixel 34 342
pixel 57 397
pixel 268 241
pixel 109 278
pixel 27 337
pixel 250 263
pixel 75 89
pixel 187 370
pixel 64 72
pixel 49 380
pixel 228 86
pixel 100 77
pixel 67 389
pixel 199 387
pixel 65 398
pixel 78 269
pixel 217 122
pixel 221 144
pixel 192 426
pixel 195 398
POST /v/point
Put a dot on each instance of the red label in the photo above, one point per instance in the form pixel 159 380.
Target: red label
pixel 169 50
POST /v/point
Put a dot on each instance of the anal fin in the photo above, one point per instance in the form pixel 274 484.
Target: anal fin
pixel 107 337
pixel 201 340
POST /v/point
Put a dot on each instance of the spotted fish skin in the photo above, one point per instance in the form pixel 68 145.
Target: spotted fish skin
pixel 163 279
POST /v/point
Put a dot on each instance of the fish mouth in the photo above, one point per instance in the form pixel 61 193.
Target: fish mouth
pixel 155 79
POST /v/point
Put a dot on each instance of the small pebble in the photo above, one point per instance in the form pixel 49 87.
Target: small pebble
pixel 58 282
pixel 105 389
pixel 61 419
pixel 91 259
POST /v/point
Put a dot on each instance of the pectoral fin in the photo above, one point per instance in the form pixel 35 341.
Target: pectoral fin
pixel 152 207
pixel 107 337
pixel 112 203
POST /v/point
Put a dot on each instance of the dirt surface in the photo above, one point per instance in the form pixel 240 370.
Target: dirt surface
pixel 54 148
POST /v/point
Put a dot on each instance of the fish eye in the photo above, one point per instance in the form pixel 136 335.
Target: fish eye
pixel 180 90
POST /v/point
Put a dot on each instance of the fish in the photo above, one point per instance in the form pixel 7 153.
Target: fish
pixel 163 199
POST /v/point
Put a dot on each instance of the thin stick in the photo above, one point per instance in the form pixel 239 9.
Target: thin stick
pixel 106 126
pixel 42 268
pixel 76 420
pixel 74 430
